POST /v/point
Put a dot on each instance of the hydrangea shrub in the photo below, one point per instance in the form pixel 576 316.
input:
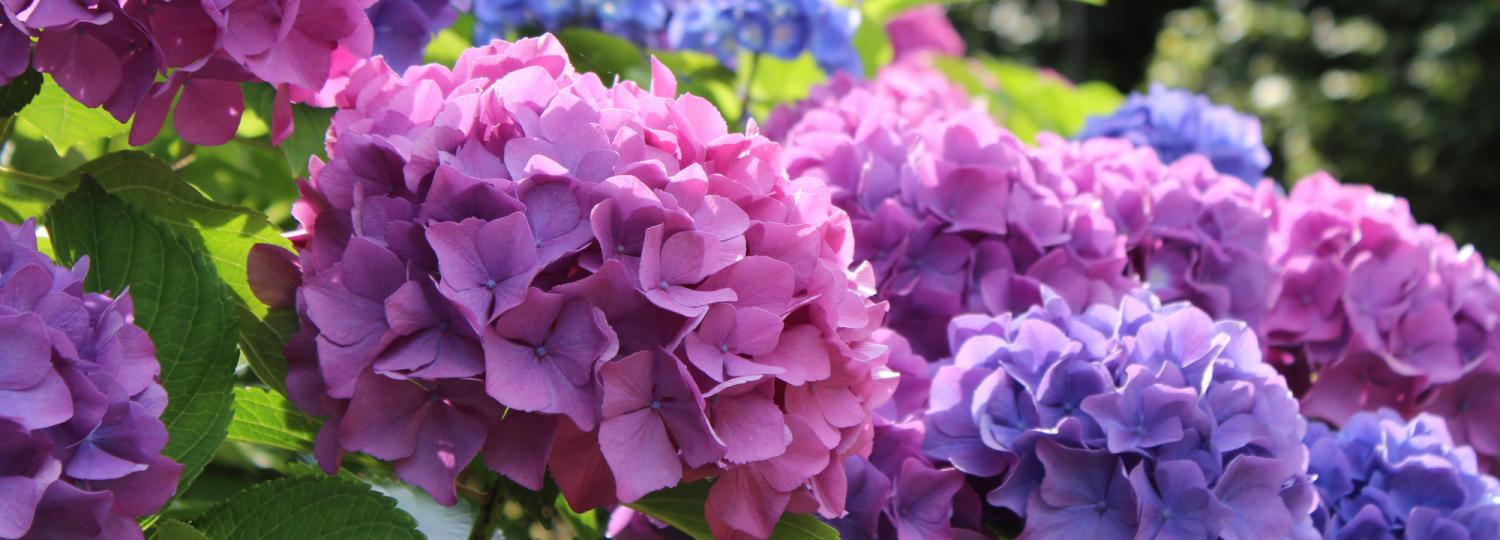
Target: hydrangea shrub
pixel 510 259
pixel 141 60
pixel 1380 476
pixel 1144 420
pixel 80 405
pixel 1177 123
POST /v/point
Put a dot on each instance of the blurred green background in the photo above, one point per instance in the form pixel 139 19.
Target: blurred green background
pixel 1403 95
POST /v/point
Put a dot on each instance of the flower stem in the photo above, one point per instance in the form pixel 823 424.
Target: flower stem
pixel 487 520
pixel 33 181
pixel 745 92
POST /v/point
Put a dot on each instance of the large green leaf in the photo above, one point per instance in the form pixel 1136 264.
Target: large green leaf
pixel 19 92
pixel 607 55
pixel 327 508
pixel 226 233
pixel 65 122
pixel 1029 101
pixel 171 529
pixel 266 418
pixel 446 47
pixel 179 300
pixel 682 508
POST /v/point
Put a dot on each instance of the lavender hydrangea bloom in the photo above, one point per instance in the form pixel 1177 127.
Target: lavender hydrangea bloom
pixel 1177 123
pixel 1143 420
pixel 1385 311
pixel 139 60
pixel 725 28
pixel 1382 477
pixel 80 429
pixel 510 259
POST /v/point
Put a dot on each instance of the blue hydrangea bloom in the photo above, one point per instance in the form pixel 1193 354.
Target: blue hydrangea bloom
pixel 724 28
pixel 1382 477
pixel 1176 123
pixel 404 27
pixel 1143 420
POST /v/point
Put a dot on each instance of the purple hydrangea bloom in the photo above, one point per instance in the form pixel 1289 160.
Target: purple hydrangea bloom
pixel 897 492
pixel 1178 123
pixel 141 60
pixel 80 406
pixel 1382 477
pixel 922 174
pixel 1145 420
pixel 510 259
pixel 404 27
pixel 1384 311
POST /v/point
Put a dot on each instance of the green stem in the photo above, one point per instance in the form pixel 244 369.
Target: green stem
pixel 745 92
pixel 33 181
pixel 488 519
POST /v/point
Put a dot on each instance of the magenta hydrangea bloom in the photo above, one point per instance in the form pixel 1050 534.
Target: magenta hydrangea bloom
pixel 80 406
pixel 1139 421
pixel 136 58
pixel 510 259
pixel 1385 311
pixel 1382 477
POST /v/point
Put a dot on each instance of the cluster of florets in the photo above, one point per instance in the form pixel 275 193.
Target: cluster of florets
pixel 951 210
pixel 135 58
pixel 1385 311
pixel 1381 477
pixel 1177 123
pixel 80 428
pixel 725 28
pixel 1145 421
pixel 404 27
pixel 1191 232
pixel 510 258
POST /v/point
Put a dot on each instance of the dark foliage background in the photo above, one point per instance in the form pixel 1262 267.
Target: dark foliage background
pixel 1401 95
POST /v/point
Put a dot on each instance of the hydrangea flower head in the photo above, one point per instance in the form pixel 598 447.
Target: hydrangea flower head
pixel 80 406
pixel 1177 123
pixel 1144 420
pixel 404 27
pixel 511 259
pixel 1385 311
pixel 922 174
pixel 1382 477
pixel 136 59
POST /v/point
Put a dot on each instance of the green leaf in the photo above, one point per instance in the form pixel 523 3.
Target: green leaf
pixel 179 300
pixel 310 125
pixel 20 91
pixel 585 525
pixel 226 233
pixel 608 56
pixel 171 529
pixel 65 122
pixel 682 508
pixel 1028 101
pixel 266 418
pixel 327 508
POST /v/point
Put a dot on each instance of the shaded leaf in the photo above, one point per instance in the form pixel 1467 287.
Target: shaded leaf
pixel 20 91
pixel 171 529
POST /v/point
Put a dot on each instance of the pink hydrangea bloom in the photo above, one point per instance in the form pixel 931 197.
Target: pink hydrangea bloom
pixel 136 58
pixel 512 259
pixel 1386 312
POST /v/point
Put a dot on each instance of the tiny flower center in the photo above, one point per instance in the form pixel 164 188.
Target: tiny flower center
pixel 663 284
pixel 1138 430
pixel 619 248
pixel 432 396
pixel 655 405
pixel 443 327
pixel 541 351
pixel 723 348
pixel 490 284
